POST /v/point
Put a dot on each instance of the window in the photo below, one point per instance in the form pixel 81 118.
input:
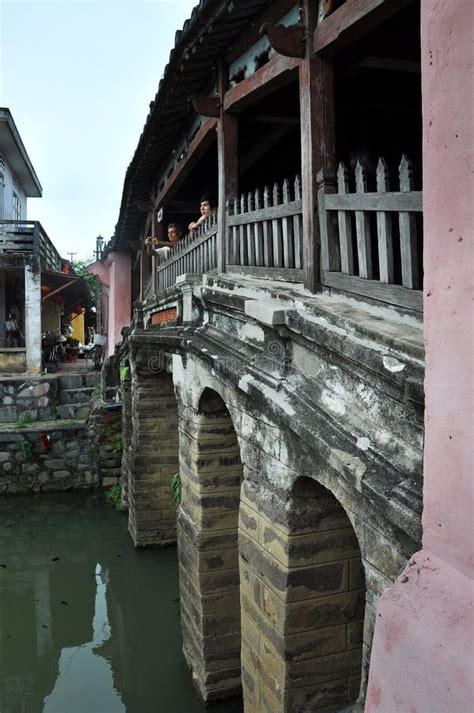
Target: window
pixel 16 207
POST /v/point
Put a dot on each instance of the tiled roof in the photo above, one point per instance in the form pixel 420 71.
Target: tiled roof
pixel 213 27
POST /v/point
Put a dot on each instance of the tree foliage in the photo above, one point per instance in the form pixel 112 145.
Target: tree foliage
pixel 80 269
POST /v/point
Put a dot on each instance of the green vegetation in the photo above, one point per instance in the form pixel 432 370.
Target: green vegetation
pixel 23 421
pixel 175 483
pixel 116 443
pixel 80 269
pixel 124 372
pixel 26 450
pixel 113 496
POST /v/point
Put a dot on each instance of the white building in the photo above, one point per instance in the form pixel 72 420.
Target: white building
pixel 31 269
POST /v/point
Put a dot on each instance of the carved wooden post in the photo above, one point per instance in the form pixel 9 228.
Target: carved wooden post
pixel 317 142
pixel 227 158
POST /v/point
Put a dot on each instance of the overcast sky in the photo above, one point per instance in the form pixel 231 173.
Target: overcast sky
pixel 78 76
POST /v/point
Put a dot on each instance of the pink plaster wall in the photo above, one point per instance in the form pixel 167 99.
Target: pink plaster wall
pixel 115 275
pixel 422 658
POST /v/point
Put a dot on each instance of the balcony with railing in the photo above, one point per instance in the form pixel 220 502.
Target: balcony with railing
pixel 371 238
pixel 28 237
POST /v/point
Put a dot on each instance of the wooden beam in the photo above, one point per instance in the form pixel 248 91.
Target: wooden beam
pixel 375 290
pixel 197 147
pixel 354 18
pixel 227 160
pixel 276 73
pixel 287 41
pixel 317 144
pixel 269 119
pixel 390 64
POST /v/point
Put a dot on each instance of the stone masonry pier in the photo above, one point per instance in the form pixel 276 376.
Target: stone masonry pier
pixel 298 423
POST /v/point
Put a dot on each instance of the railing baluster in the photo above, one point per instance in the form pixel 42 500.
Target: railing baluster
pixel 297 240
pixel 276 232
pixel 234 255
pixel 235 234
pixel 408 233
pixel 250 233
pixel 259 257
pixel 242 235
pixel 363 227
pixel 287 228
pixel 297 227
pixel 344 221
pixel 384 227
pixel 267 232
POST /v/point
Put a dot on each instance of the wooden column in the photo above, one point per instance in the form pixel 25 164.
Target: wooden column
pixel 317 143
pixel 227 159
pixel 155 227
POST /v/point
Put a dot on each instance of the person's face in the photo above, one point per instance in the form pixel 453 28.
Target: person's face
pixel 173 235
pixel 205 209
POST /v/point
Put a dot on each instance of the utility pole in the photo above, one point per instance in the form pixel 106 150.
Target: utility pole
pixel 71 255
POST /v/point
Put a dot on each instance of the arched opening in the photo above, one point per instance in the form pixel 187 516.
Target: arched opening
pixel 303 601
pixel 152 449
pixel 211 473
pixel 325 602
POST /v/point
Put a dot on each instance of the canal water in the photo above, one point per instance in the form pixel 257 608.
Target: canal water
pixel 88 624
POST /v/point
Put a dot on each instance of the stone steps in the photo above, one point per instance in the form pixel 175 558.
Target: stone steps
pixel 78 381
pixel 73 411
pixel 76 392
pixel 48 397
pixel 76 396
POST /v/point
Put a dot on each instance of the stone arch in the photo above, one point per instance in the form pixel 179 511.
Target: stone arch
pixel 303 600
pixel 153 452
pixel 211 474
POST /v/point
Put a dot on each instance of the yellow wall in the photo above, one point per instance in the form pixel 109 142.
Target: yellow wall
pixel 50 316
pixel 77 325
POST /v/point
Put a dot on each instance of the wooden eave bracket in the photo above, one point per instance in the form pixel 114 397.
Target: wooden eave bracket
pixel 207 106
pixel 144 206
pixel 287 41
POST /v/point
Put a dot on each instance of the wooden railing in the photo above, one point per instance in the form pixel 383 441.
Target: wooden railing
pixel 371 240
pixel 28 236
pixel 194 254
pixel 371 237
pixel 265 234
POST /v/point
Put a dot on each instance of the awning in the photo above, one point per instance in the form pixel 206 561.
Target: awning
pixel 72 288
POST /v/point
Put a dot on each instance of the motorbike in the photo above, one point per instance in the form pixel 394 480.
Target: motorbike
pixel 52 350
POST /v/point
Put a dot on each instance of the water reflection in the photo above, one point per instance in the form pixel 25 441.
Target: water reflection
pixel 88 624
pixel 85 678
